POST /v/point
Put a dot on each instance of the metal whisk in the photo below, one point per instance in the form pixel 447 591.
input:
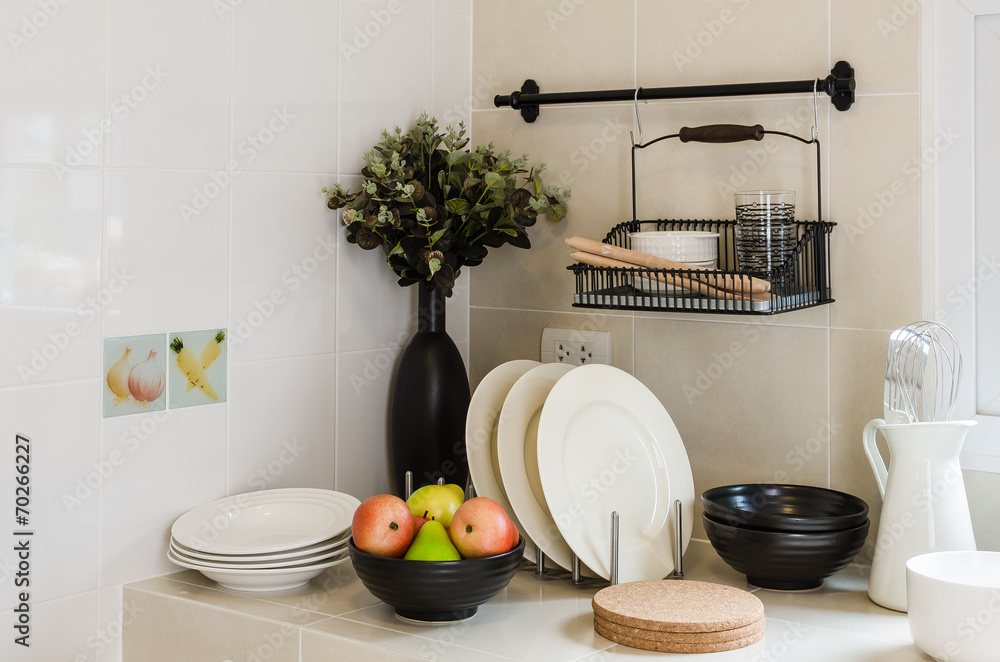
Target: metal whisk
pixel 923 369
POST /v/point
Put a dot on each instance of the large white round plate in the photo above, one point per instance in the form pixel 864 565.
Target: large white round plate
pixel 481 435
pixel 265 522
pixel 605 443
pixel 276 579
pixel 518 455
pixel 259 565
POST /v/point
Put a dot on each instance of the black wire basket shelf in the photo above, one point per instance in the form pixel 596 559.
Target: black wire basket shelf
pixel 802 281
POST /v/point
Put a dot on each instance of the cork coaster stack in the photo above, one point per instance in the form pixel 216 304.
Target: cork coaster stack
pixel 678 616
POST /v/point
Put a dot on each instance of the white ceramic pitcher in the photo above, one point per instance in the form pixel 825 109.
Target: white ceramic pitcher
pixel 924 506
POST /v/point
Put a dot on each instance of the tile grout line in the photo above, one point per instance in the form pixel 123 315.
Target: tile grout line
pixel 229 242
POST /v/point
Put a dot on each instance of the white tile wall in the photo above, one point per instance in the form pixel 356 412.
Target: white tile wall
pixel 160 170
pixel 283 299
pixel 293 443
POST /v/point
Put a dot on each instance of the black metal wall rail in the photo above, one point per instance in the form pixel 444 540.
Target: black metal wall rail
pixel 839 86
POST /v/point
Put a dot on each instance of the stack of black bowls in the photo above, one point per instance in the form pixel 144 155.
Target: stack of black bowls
pixel 785 537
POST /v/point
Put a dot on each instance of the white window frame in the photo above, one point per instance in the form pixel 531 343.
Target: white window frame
pixel 948 198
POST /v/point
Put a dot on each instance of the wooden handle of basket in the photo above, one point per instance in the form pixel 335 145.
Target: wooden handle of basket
pixel 677 281
pixel 721 133
pixel 732 283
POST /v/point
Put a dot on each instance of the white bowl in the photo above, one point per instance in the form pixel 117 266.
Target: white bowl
pixel 953 605
pixel 266 522
pixel 679 246
pixel 274 579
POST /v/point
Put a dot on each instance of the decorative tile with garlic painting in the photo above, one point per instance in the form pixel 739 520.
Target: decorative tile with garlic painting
pixel 135 377
pixel 197 367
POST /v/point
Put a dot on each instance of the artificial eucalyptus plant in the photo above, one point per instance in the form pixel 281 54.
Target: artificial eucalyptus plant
pixel 433 206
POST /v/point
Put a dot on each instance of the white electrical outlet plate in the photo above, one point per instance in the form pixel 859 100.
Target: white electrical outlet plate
pixel 575 346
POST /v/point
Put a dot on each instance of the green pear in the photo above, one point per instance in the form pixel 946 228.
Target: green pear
pixel 432 544
pixel 438 502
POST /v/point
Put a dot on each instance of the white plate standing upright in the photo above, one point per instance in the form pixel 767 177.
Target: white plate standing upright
pixel 605 443
pixel 481 435
pixel 518 455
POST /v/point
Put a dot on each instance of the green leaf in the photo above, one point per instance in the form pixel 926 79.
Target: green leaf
pixel 458 206
pixel 492 179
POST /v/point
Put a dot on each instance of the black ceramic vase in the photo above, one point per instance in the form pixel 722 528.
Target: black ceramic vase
pixel 430 400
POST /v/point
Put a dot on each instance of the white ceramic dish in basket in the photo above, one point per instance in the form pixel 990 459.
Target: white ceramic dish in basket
pixel 677 245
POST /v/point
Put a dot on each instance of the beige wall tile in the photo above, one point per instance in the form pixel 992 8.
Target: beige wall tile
pixel 587 149
pixel 505 335
pixel 874 197
pixel 166 629
pixel 982 489
pixel 731 41
pixel 857 380
pixel 563 46
pixel 750 401
pixel 880 40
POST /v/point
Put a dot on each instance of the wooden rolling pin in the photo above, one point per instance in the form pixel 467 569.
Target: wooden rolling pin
pixel 734 283
pixel 669 279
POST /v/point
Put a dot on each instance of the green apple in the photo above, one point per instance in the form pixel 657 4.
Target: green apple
pixel 436 502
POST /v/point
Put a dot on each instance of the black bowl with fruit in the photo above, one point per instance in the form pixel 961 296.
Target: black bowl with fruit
pixel 435 591
pixel 434 558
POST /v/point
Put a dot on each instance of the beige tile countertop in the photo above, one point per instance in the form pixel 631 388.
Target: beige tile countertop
pixel 184 616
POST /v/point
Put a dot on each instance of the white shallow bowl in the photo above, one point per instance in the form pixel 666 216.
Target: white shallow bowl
pixel 265 522
pixel 333 544
pixel 679 246
pixel 953 605
pixel 276 579
pixel 321 557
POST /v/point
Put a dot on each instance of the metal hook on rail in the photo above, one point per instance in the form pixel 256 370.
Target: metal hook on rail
pixel 638 121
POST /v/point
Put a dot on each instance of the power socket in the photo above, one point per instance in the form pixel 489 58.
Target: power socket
pixel 575 346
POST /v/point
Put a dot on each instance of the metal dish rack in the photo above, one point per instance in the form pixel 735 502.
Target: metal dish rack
pixel 802 281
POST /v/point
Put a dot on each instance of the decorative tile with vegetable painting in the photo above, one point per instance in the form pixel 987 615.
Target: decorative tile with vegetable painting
pixel 135 377
pixel 197 367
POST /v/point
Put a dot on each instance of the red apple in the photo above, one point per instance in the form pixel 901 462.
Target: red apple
pixel 480 527
pixel 418 522
pixel 515 535
pixel 383 526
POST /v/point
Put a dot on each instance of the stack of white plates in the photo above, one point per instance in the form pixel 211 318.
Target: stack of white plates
pixel 265 541
pixel 562 447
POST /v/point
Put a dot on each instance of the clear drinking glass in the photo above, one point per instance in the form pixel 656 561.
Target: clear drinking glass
pixel 765 231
